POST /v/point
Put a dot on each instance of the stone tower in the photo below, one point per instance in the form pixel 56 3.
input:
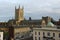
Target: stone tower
pixel 19 14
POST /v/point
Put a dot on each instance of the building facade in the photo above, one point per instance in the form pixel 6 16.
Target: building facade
pixel 1 35
pixel 47 32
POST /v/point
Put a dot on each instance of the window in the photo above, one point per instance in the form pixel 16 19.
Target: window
pixel 39 38
pixel 0 35
pixel 39 33
pixel 35 38
pixel 59 35
pixel 35 33
pixel 53 34
pixel 48 33
pixel 43 34
pixel 53 39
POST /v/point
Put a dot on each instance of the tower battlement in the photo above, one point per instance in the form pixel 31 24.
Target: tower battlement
pixel 19 14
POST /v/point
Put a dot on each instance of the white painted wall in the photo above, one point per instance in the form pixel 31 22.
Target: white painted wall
pixel 1 35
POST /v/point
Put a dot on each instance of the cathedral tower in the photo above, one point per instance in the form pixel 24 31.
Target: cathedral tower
pixel 19 14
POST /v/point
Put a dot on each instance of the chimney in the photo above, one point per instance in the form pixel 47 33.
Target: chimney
pixel 59 20
pixel 29 18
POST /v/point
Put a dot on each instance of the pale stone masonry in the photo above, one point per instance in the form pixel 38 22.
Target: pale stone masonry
pixel 47 32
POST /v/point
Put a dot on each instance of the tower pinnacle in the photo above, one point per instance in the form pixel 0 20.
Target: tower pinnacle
pixel 19 14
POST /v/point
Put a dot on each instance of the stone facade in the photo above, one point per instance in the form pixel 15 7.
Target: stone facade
pixel 19 14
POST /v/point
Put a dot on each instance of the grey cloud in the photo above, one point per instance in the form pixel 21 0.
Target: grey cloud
pixel 31 7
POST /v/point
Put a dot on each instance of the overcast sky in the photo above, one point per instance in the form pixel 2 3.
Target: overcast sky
pixel 32 8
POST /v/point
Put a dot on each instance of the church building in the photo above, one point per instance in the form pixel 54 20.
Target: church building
pixel 20 27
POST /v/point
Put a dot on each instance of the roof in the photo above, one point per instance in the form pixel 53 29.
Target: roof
pixel 36 22
pixel 50 24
